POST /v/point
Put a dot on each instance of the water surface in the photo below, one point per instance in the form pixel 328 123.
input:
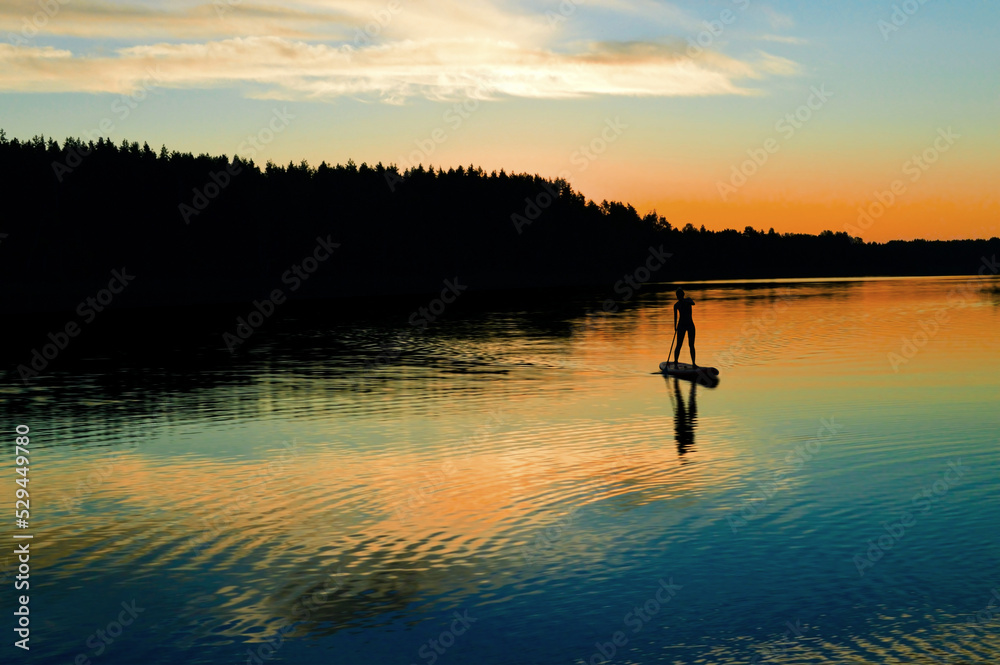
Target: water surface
pixel 338 490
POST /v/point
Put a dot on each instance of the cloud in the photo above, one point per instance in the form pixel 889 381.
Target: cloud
pixel 781 39
pixel 342 20
pixel 88 20
pixel 280 68
pixel 776 19
pixel 388 50
pixel 773 64
pixel 662 13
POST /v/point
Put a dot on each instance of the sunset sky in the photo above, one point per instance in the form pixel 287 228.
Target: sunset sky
pixel 664 105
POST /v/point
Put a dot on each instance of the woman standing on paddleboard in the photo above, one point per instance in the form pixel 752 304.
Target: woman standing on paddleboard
pixel 683 323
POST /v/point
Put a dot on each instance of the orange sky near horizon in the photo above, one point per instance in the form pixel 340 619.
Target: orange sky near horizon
pixel 727 113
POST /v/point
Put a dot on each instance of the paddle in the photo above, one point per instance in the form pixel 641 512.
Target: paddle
pixel 671 351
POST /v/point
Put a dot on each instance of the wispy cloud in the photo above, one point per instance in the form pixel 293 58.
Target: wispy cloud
pixel 782 39
pixel 276 67
pixel 773 64
pixel 655 11
pixel 134 22
pixel 306 19
pixel 778 20
pixel 369 49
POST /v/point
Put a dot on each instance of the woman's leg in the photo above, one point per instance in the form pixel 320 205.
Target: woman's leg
pixel 680 342
pixel 691 346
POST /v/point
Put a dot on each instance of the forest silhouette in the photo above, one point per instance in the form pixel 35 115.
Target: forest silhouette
pixel 209 229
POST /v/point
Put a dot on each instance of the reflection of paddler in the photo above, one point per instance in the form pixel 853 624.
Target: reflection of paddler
pixel 684 324
pixel 685 417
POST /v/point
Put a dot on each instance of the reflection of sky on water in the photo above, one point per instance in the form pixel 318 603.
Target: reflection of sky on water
pixel 533 471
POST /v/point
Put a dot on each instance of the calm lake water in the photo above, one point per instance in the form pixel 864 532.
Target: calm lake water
pixel 514 485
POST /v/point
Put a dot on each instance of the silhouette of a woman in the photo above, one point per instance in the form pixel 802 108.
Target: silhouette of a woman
pixel 684 324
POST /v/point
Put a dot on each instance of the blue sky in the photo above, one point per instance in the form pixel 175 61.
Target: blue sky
pixel 371 80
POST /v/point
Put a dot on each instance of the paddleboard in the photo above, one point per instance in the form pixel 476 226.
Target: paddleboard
pixel 703 375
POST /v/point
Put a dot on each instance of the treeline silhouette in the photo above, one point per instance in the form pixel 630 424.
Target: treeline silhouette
pixel 210 229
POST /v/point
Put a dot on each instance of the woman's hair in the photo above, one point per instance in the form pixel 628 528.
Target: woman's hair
pixel 680 292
